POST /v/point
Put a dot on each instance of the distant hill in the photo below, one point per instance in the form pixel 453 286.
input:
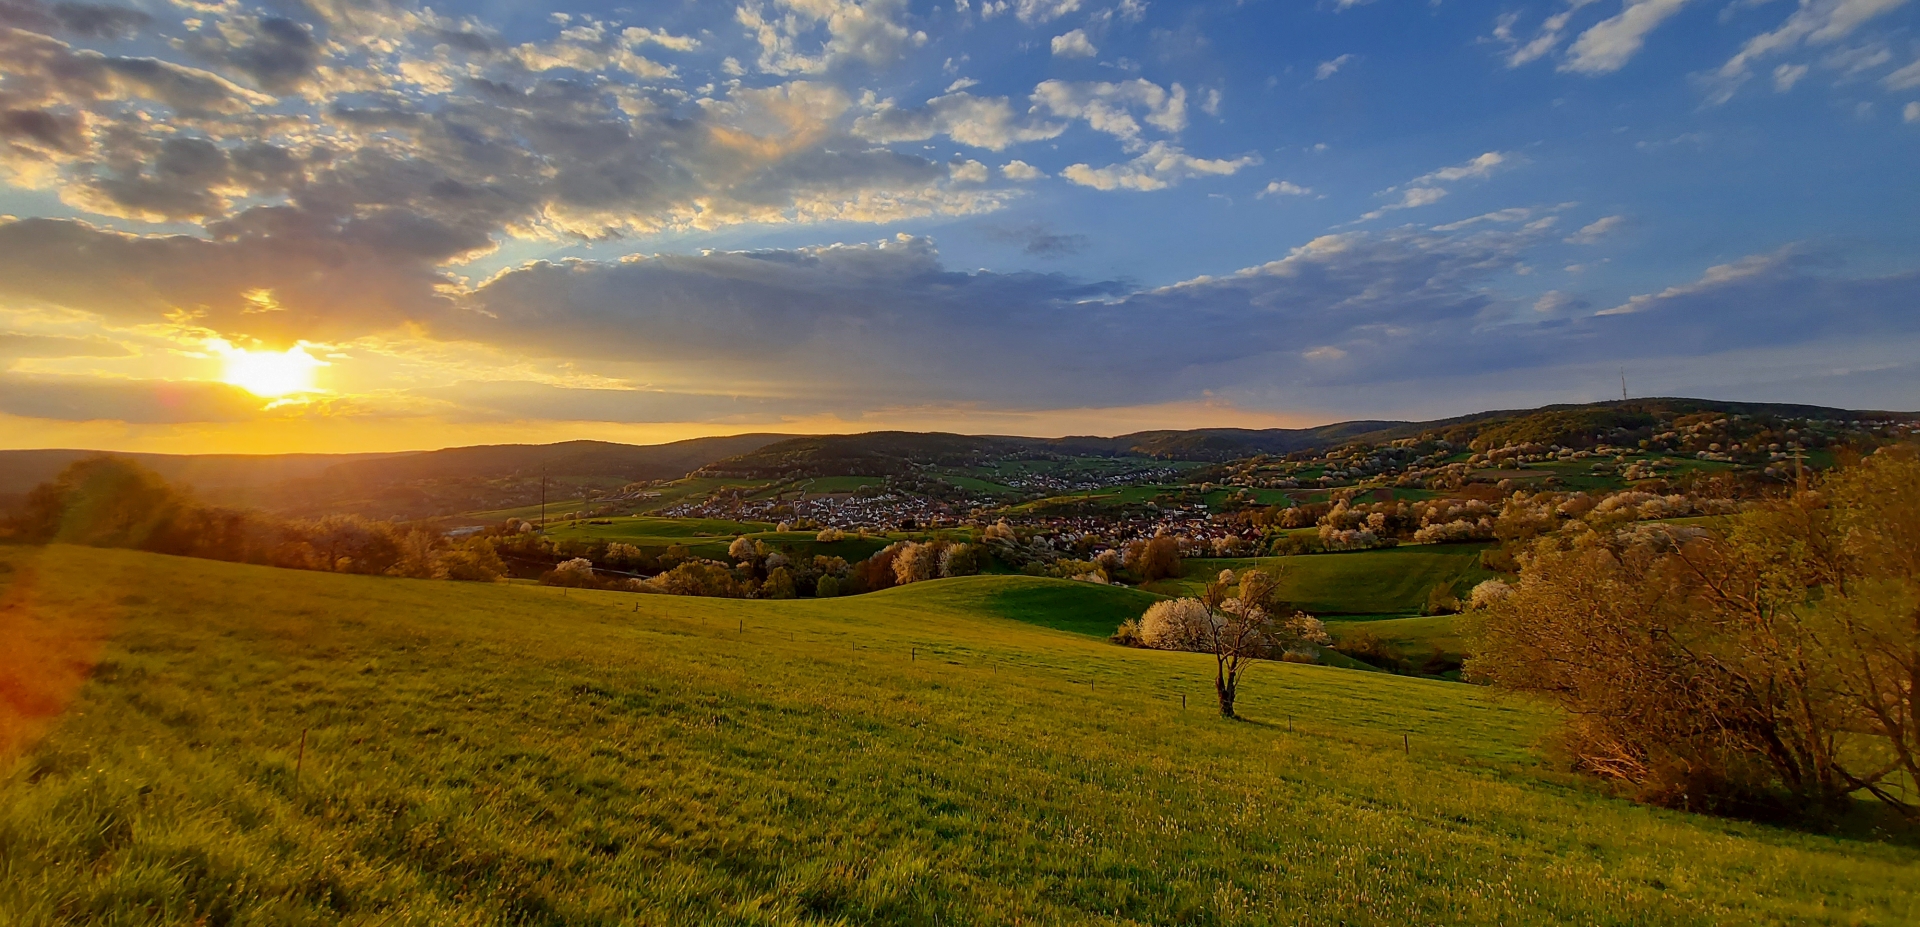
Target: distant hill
pixel 462 479
pixel 882 453
pixel 20 471
pixel 412 484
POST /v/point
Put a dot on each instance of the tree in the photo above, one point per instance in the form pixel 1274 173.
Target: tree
pixel 1770 662
pixel 1158 558
pixel 1237 630
pixel 742 549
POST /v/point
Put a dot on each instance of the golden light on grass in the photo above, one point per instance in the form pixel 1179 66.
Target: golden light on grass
pixel 270 374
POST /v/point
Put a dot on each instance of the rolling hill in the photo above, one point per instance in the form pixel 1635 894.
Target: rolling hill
pixel 257 745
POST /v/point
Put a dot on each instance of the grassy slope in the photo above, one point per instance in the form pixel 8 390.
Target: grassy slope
pixel 485 754
pixel 1390 581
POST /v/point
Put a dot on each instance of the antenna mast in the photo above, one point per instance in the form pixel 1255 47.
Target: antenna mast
pixel 1623 384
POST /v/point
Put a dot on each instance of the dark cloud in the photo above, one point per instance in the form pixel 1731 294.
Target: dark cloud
pixel 87 20
pixel 1037 239
pixel 139 402
pixel 279 54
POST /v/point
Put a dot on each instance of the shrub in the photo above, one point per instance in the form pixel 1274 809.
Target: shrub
pixel 1174 624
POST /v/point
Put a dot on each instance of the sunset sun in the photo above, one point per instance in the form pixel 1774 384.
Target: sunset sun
pixel 271 374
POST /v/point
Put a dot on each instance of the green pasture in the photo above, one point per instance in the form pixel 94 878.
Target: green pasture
pixel 710 537
pixel 1414 637
pixel 210 743
pixel 1392 581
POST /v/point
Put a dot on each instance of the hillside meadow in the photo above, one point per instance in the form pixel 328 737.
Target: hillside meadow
pixel 933 754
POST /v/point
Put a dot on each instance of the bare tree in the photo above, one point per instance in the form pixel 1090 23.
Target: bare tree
pixel 1254 625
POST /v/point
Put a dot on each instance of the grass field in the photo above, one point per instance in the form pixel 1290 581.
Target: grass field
pixel 485 754
pixel 1392 581
pixel 709 537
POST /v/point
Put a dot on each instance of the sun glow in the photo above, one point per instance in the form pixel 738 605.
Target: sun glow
pixel 270 374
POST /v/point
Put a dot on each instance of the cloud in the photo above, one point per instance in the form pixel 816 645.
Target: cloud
pixel 1786 75
pixel 1038 240
pixel 983 122
pixel 1073 44
pixel 1718 277
pixel 1510 214
pixel 1475 169
pixel 1110 106
pixel 1021 171
pixel 1161 166
pixel 1814 22
pixel 871 32
pixel 1912 113
pixel 1552 30
pixel 1043 11
pixel 1609 44
pixel 1282 188
pixel 1592 232
pixel 1905 78
pixel 139 402
pixel 1423 190
pixel 1327 69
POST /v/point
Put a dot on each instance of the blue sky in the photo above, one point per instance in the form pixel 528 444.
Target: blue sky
pixel 639 221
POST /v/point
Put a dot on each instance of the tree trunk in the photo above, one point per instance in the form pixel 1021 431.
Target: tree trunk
pixel 1225 689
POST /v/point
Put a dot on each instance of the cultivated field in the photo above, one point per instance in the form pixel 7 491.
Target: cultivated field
pixel 479 754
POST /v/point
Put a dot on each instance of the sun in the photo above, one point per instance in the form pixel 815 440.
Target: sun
pixel 271 374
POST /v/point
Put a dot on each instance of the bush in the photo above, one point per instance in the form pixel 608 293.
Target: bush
pixel 1174 624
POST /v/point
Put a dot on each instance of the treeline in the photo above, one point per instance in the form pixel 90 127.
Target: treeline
pixel 111 502
pixel 1769 660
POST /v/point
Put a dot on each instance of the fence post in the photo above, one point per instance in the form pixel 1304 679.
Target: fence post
pixel 1406 745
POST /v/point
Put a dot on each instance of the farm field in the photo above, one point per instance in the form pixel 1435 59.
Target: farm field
pixel 483 754
pixel 1392 581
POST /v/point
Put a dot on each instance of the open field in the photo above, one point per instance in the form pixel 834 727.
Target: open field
pixel 480 754
pixel 1392 581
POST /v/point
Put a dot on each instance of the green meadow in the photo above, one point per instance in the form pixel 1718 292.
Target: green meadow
pixel 1391 581
pixel 210 743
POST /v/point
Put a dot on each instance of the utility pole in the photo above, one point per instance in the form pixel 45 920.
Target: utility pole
pixel 543 497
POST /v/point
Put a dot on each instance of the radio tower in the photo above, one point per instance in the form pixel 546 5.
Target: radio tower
pixel 1623 384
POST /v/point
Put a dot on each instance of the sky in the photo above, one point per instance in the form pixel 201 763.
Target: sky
pixel 364 225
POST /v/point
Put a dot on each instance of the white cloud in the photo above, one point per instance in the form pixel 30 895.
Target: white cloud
pixel 1073 45
pixel 868 31
pixel 1475 169
pixel 1786 75
pixel 1906 78
pixel 1510 214
pixel 1327 69
pixel 961 84
pixel 1552 30
pixel 1747 268
pixel 1042 11
pixel 983 122
pixel 1021 171
pixel 1815 22
pixel 968 172
pixel 1162 165
pixel 1109 107
pixel 1609 44
pixel 640 35
pixel 1592 232
pixel 1282 188
pixel 1912 112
